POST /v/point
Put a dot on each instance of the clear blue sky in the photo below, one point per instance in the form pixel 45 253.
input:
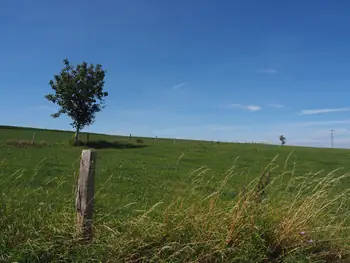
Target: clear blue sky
pixel 246 70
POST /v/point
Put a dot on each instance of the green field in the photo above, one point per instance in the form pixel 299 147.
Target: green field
pixel 157 201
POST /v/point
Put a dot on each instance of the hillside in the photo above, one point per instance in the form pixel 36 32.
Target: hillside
pixel 38 183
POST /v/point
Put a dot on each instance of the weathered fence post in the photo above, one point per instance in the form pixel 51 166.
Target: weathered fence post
pixel 33 138
pixel 87 137
pixel 85 194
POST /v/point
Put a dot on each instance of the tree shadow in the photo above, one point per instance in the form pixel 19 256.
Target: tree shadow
pixel 101 144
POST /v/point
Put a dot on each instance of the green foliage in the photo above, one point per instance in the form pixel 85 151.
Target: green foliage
pixel 283 140
pixel 139 140
pixel 78 92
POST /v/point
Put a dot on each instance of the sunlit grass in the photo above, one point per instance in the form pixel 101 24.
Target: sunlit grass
pixel 280 216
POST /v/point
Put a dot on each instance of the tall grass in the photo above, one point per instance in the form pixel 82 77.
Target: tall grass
pixel 278 217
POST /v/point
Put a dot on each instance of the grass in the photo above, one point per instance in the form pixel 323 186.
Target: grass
pixel 157 201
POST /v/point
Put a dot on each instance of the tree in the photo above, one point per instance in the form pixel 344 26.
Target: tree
pixel 282 139
pixel 79 94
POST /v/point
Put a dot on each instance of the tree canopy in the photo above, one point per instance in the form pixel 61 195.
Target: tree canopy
pixel 78 91
pixel 282 139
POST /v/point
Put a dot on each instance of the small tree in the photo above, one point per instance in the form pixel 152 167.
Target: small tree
pixel 282 139
pixel 79 94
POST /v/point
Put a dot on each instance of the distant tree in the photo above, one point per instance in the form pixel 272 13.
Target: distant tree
pixel 79 94
pixel 283 140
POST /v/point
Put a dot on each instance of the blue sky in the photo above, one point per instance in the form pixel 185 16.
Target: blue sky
pixel 217 70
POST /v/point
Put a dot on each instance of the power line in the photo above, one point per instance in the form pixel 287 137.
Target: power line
pixel 332 138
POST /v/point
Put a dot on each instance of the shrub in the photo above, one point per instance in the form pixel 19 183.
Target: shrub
pixel 139 140
pixel 71 142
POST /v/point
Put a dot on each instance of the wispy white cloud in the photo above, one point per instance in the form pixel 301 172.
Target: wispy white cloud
pixel 245 107
pixel 199 132
pixel 307 134
pixel 225 127
pixel 152 123
pixel 321 111
pixel 178 86
pixel 277 106
pixel 316 133
pixel 267 71
pixel 197 129
pixel 321 123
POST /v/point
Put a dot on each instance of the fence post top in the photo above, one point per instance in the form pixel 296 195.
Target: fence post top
pixel 89 154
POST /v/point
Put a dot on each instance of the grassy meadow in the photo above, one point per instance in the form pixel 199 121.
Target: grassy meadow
pixel 156 201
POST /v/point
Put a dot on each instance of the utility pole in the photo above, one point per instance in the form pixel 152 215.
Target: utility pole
pixel 332 138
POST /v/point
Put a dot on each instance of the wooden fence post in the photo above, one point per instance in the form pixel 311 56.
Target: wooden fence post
pixel 33 138
pixel 85 194
pixel 174 140
pixel 87 137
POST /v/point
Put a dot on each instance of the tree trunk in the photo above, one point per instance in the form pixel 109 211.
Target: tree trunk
pixel 76 137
